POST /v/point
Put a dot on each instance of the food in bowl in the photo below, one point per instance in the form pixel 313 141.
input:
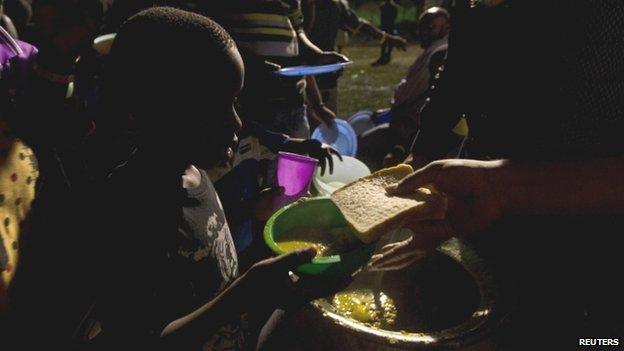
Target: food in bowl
pixel 326 241
pixel 373 308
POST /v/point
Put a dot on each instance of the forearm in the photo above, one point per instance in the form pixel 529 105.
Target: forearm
pixel 592 186
pixel 308 49
pixel 193 328
pixel 371 30
pixel 313 93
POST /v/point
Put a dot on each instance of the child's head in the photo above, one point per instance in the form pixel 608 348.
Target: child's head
pixel 176 75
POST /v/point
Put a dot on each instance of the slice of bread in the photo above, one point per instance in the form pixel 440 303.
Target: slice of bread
pixel 372 212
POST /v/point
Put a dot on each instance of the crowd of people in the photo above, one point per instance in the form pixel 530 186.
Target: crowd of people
pixel 137 140
pixel 125 114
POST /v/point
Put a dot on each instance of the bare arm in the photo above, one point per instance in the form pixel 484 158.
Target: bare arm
pixel 314 55
pixel 479 192
pixel 272 273
pixel 585 186
pixel 379 34
pixel 321 112
pixel 193 328
pixel 592 186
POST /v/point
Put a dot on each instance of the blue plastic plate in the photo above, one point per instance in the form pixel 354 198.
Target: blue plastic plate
pixel 361 122
pixel 298 71
pixel 341 136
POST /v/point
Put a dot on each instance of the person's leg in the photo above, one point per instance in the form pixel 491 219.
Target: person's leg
pixel 381 56
pixel 388 52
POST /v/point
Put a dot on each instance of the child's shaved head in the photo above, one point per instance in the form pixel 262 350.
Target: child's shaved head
pixel 174 69
pixel 162 54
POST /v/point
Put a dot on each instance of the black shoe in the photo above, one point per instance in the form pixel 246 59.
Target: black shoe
pixel 380 61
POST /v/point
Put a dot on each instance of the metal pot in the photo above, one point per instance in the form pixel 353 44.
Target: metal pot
pixel 450 301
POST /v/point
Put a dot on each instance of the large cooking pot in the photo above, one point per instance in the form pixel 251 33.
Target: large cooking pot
pixel 450 301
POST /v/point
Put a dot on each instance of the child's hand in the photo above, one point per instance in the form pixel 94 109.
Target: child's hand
pixel 271 279
pixel 324 115
pixel 264 204
pixel 323 153
pixel 256 64
pixel 271 66
pixel 328 58
pixel 315 149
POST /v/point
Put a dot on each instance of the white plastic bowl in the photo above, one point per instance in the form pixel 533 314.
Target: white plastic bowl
pixel 345 172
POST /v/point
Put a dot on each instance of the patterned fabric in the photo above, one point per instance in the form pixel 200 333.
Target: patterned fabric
pixel 18 174
pixel 238 183
pixel 208 258
pixel 18 168
pixel 173 253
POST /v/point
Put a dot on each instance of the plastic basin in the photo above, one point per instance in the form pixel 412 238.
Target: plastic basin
pixel 345 172
pixel 319 212
pixel 341 136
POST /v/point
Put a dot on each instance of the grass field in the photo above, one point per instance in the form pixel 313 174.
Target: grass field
pixel 363 87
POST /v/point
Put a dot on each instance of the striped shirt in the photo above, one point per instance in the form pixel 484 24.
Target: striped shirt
pixel 266 28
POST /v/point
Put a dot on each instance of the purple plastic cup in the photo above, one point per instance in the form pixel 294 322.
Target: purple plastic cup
pixel 294 172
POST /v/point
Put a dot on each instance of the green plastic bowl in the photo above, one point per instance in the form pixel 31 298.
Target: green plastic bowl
pixel 319 211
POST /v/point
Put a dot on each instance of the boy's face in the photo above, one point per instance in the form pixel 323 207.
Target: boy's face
pixel 215 144
pixel 433 29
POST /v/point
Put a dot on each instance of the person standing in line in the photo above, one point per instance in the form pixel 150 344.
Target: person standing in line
pixel 389 11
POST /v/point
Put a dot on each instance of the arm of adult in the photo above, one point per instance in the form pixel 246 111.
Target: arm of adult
pixel 314 55
pixel 480 192
pixel 309 52
pixel 354 24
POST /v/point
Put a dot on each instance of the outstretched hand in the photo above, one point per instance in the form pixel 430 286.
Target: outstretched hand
pixel 473 204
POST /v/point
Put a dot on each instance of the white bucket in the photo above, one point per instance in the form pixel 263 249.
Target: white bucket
pixel 345 172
